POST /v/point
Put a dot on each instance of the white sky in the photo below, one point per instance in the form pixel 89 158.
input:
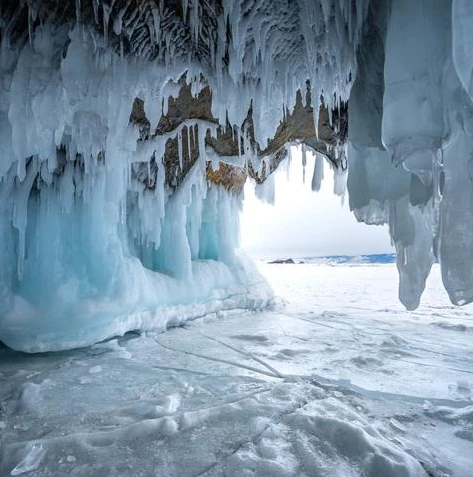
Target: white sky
pixel 303 223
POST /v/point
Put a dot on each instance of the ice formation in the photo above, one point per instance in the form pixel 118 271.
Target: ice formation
pixel 127 130
pixel 410 135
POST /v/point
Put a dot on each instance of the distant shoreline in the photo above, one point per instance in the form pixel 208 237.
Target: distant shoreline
pixel 378 258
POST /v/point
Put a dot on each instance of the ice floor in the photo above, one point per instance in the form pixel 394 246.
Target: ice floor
pixel 337 380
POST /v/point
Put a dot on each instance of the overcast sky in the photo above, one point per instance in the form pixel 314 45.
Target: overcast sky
pixel 303 223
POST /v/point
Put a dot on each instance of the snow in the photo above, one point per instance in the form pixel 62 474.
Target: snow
pixel 339 379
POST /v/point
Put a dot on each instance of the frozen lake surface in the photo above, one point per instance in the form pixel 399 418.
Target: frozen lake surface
pixel 337 380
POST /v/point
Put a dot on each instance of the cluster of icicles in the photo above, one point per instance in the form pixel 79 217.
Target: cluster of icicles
pixel 411 140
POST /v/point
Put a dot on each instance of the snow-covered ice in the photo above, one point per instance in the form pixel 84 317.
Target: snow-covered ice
pixel 337 380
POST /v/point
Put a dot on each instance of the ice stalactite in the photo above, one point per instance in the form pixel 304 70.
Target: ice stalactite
pixel 413 82
pixel 409 154
pixel 456 188
pixel 318 174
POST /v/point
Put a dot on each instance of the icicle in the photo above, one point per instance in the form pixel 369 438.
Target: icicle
pixel 189 150
pixel 118 21
pixel 202 133
pixel 20 216
pixel 330 111
pixel 318 174
pixel 304 161
pixel 238 137
pixel 196 135
pixel 106 9
pixel 157 25
pixel 78 8
pixel 179 148
pixel 195 20
pixel 185 5
pixel 316 112
pixel 289 161
pixel 95 4
pixel 31 20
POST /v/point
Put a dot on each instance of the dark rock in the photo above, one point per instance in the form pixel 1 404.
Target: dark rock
pixel 283 260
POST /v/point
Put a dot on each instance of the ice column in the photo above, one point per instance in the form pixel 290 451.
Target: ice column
pixel 413 127
pixel 456 208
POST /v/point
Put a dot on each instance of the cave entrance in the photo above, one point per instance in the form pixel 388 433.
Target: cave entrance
pixel 302 223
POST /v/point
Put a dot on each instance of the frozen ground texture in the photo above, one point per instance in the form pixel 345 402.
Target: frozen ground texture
pixel 339 380
pixel 96 239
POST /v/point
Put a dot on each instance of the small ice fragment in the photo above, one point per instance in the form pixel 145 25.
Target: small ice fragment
pixel 95 369
pixel 124 354
pixel 31 461
pixel 172 403
pixel 2 425
pixel 70 458
pixel 21 426
pixel 426 405
pixel 463 386
pixel 169 426
pixel 396 425
pixel 30 397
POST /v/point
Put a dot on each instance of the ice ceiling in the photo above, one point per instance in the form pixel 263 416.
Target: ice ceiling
pixel 128 128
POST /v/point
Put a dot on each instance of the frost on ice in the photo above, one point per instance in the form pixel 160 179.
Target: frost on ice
pixel 128 128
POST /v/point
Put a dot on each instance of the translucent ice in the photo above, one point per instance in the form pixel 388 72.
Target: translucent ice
pixel 426 132
pixel 31 461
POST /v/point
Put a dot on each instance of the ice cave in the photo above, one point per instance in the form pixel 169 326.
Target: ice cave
pixel 128 130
